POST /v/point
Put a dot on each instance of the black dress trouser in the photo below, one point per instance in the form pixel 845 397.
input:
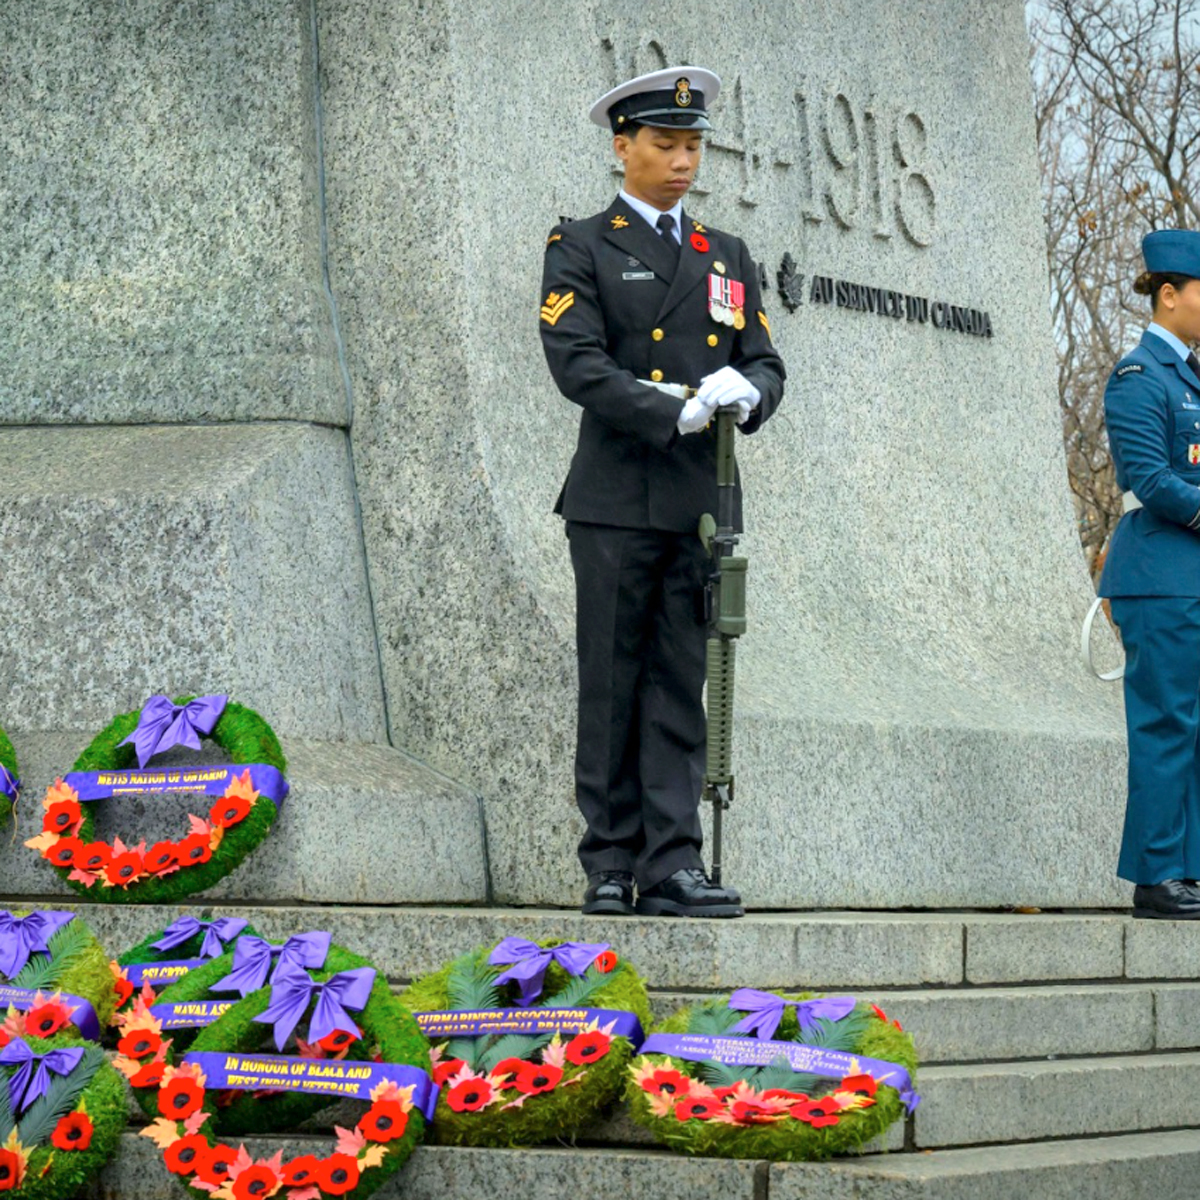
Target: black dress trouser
pixel 640 640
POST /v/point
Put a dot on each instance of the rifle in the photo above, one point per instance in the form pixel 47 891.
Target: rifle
pixel 725 615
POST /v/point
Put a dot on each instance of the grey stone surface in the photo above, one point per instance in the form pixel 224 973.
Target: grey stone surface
pixel 163 260
pixel 1133 1167
pixel 363 824
pixel 445 1173
pixel 914 726
pixel 1043 946
pixel 1032 1101
pixel 1162 950
pixel 170 559
pixel 1177 1016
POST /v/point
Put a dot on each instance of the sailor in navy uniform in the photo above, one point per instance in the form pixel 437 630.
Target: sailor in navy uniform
pixel 650 321
pixel 1152 577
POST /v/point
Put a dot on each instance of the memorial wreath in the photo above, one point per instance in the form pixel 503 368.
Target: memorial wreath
pixel 359 1043
pixel 130 873
pixel 531 1041
pixel 62 1109
pixel 764 1075
pixel 10 783
pixel 54 977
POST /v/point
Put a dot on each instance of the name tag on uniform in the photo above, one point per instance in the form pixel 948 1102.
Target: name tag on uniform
pixel 637 274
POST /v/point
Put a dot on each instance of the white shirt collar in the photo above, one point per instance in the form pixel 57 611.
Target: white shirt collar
pixel 1177 344
pixel 651 214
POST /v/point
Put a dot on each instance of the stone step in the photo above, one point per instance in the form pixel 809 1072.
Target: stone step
pixel 390 818
pixel 1126 1167
pixel 822 951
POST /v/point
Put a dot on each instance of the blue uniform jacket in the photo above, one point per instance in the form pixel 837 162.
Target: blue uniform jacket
pixel 1152 409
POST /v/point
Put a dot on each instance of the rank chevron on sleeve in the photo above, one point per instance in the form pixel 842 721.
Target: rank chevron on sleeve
pixel 555 306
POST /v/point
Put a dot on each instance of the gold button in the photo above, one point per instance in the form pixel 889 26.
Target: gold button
pixel 657 335
pixel 656 375
pixel 719 267
pixel 712 339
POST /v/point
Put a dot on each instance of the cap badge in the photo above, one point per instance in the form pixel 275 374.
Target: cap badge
pixel 683 94
pixel 698 227
pixel 619 222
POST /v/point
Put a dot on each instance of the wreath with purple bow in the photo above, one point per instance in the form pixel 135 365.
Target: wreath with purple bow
pixel 312 1025
pixel 530 1041
pixel 10 782
pixel 773 1076
pixel 248 791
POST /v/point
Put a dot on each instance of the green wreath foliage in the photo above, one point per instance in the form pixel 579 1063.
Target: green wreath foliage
pixel 8 760
pixel 77 964
pixel 389 1032
pixel 246 738
pixel 864 1032
pixel 468 983
pixel 52 1173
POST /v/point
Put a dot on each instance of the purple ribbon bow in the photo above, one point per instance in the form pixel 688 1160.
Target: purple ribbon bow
pixel 527 962
pixel 22 936
pixel 252 960
pixel 163 724
pixel 765 1011
pixel 32 1077
pixel 9 786
pixel 216 934
pixel 292 989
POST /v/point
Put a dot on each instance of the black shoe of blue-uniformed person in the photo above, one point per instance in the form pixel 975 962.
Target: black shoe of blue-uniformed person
pixel 609 892
pixel 689 893
pixel 1171 900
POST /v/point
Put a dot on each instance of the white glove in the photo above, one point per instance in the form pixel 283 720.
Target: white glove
pixel 727 387
pixel 695 416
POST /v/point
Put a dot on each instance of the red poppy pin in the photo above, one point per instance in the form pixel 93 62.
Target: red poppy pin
pixel 699 242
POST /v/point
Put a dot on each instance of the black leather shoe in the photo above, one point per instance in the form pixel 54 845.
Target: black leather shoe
pixel 689 893
pixel 609 892
pixel 1171 900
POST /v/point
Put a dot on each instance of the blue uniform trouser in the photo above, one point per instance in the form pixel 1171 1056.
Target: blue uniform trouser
pixel 1161 635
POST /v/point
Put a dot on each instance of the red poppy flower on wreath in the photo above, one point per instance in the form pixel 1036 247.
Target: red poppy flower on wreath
pixel 699 243
pixel 338 1174
pixel 73 1132
pixel 215 1164
pixel 606 962
pixel 141 1043
pixel 93 857
pixel 863 1085
pixel 384 1121
pixel 301 1172
pixel 698 1109
pixel 196 848
pixel 588 1047
pixel 180 1098
pixel 255 1182
pixel 338 1040
pixel 121 985
pixel 471 1095
pixel 12 1171
pixel 751 1111
pixel 124 869
pixel 62 817
pixel 444 1071
pixel 65 852
pixel 817 1113
pixel 47 1019
pixel 181 1156
pixel 160 856
pixel 507 1070
pixel 665 1082
pixel 784 1094
pixel 535 1078
pixel 149 1076
pixel 229 811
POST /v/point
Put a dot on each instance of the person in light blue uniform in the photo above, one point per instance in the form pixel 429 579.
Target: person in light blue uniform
pixel 1152 578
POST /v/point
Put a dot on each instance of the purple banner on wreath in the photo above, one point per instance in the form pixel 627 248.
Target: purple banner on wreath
pixel 476 1023
pixel 83 1016
pixel 8 785
pixel 758 1052
pixel 209 781
pixel 313 1076
pixel 192 1014
pixel 162 973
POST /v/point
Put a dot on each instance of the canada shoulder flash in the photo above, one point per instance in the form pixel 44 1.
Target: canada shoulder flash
pixel 1125 370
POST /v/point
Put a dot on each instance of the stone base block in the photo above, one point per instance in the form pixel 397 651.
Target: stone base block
pixel 363 825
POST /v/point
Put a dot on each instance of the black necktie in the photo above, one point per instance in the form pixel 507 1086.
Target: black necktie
pixel 666 227
pixel 1194 363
